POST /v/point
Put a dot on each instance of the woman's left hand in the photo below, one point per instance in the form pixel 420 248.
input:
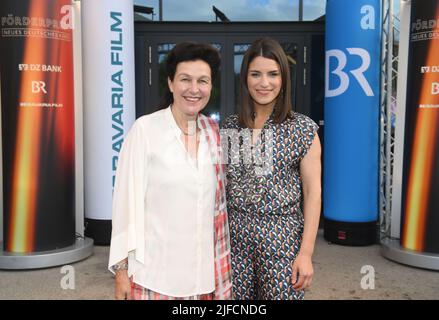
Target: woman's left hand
pixel 302 272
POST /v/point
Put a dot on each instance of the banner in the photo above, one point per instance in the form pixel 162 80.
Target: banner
pixel 109 104
pixel 352 102
pixel 420 201
pixel 37 105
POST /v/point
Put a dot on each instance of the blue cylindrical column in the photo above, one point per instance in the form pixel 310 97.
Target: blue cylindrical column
pixel 352 100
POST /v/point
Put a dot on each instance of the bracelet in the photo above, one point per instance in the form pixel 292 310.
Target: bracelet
pixel 120 266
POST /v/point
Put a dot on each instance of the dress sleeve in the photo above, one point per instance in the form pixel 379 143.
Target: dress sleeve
pixel 307 129
pixel 128 207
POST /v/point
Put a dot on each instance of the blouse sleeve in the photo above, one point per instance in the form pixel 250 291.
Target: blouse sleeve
pixel 308 129
pixel 129 199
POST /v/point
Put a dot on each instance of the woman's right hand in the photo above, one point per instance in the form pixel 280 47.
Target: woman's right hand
pixel 123 285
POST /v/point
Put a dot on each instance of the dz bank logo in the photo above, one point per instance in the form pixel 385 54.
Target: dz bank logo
pixel 342 74
pixel 435 88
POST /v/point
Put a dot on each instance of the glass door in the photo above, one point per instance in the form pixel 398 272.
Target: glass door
pixel 157 50
pixel 151 52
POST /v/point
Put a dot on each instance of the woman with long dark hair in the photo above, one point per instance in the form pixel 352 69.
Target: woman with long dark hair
pixel 273 182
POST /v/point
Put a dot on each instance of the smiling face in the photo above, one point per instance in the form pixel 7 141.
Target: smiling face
pixel 264 81
pixel 191 87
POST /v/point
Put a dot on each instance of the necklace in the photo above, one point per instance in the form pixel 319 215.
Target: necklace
pixel 188 134
pixel 192 129
pixel 192 126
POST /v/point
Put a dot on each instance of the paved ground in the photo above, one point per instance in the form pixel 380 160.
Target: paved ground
pixel 337 276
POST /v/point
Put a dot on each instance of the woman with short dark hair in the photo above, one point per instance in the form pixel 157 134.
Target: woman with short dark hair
pixel 273 182
pixel 170 235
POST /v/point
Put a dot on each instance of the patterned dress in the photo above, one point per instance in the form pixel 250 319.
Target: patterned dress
pixel 264 205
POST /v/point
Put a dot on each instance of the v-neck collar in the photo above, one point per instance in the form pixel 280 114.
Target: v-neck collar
pixel 269 121
pixel 173 123
pixel 194 163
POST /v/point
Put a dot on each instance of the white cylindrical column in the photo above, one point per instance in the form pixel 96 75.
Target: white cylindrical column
pixel 109 104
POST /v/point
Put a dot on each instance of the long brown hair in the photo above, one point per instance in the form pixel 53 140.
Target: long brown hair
pixel 270 49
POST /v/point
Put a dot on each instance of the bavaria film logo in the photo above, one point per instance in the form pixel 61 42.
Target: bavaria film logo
pixel 367 23
pixel 435 88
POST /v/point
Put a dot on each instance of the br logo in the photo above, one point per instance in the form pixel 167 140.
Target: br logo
pixel 435 88
pixel 38 86
pixel 367 22
pixel 343 76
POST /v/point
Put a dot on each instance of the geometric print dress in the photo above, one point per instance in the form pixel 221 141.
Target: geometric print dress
pixel 264 201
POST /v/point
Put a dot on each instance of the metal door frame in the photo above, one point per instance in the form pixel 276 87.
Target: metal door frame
pixel 149 34
pixel 151 67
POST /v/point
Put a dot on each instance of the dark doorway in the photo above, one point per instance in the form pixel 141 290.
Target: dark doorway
pixel 302 41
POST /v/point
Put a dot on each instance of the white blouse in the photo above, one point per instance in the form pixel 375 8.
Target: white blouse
pixel 163 209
